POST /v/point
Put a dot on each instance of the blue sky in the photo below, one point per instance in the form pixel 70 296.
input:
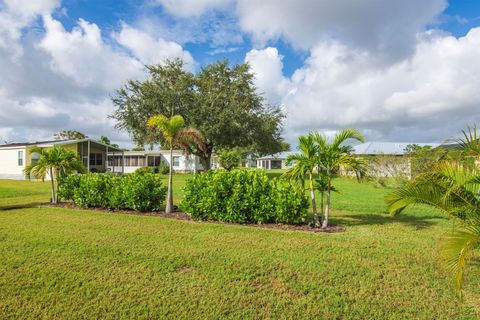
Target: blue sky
pixel 399 71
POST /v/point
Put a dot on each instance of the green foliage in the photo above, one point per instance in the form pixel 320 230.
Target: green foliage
pixel 163 169
pixel 452 187
pixel 69 135
pixel 221 101
pixel 175 134
pixel 144 170
pixel 141 192
pixel 243 196
pixel 327 157
pixel 229 159
pixel 56 161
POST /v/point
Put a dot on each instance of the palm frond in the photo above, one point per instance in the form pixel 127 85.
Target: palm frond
pixel 456 248
pixel 345 134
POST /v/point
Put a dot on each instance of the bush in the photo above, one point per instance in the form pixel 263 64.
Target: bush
pixel 144 170
pixel 243 196
pixel 141 192
pixel 164 169
pixel 229 159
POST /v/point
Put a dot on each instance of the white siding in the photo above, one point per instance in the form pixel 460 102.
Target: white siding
pixel 9 168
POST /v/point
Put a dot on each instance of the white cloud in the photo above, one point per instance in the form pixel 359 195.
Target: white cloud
pixel 83 56
pixel 15 15
pixel 149 50
pixel 427 97
pixel 267 66
pixel 385 27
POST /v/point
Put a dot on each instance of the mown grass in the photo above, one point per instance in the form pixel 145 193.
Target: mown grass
pixel 62 263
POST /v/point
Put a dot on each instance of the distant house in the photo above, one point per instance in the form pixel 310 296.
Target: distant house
pixel 14 157
pixel 386 159
pixel 129 161
pixel 387 148
pixel 274 161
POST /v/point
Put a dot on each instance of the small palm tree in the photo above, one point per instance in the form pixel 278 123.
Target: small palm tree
pixel 454 189
pixel 175 134
pixel 334 155
pixel 56 161
pixel 305 162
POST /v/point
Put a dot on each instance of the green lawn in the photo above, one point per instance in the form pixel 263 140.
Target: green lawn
pixel 63 263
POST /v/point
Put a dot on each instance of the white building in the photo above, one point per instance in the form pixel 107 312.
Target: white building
pixel 274 161
pixel 14 157
pixel 129 161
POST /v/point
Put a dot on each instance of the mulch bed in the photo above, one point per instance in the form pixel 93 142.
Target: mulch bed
pixel 178 215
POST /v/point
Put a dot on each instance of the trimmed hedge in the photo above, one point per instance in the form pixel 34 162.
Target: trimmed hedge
pixel 140 192
pixel 243 196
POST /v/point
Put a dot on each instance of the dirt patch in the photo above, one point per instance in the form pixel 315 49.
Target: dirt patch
pixel 183 216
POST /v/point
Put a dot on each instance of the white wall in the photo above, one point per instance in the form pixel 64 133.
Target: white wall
pixel 9 168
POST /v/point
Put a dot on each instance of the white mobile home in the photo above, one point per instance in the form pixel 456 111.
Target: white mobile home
pixel 129 161
pixel 14 157
pixel 274 161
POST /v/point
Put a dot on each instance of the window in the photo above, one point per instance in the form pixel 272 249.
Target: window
pixel 96 159
pixel 154 161
pixel 20 158
pixel 176 161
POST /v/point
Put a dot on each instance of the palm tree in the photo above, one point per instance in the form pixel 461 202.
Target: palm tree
pixel 175 134
pixel 305 163
pixel 56 161
pixel 454 189
pixel 334 155
pixel 321 185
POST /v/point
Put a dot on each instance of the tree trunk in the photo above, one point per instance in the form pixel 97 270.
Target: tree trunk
pixel 169 205
pixel 53 186
pixel 206 162
pixel 327 205
pixel 316 221
pixel 322 213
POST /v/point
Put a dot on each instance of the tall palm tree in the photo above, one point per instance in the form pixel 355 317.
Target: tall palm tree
pixel 176 134
pixel 305 162
pixel 56 161
pixel 334 155
pixel 454 189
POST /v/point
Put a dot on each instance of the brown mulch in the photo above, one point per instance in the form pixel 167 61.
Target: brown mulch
pixel 179 215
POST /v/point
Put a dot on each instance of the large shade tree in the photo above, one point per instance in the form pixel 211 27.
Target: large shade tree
pixel 453 187
pixel 55 162
pixel 175 134
pixel 220 101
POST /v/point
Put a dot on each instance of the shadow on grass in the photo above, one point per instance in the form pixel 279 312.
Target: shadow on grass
pixel 382 219
pixel 20 206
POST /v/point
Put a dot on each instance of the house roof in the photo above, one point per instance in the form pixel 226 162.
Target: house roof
pixel 277 156
pixel 26 144
pixel 386 148
pixel 49 143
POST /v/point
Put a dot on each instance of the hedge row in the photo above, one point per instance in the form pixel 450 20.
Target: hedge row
pixel 141 192
pixel 243 196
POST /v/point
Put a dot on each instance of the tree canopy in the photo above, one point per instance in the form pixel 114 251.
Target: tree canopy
pixel 221 101
pixel 69 135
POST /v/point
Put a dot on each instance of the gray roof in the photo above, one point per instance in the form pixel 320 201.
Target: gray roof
pixel 50 143
pixel 387 148
pixel 277 156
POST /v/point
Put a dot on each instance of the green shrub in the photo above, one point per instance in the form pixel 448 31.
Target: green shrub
pixel 164 169
pixel 141 192
pixel 229 159
pixel 243 196
pixel 144 170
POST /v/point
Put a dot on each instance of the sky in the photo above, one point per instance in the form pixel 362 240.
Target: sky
pixel 403 71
